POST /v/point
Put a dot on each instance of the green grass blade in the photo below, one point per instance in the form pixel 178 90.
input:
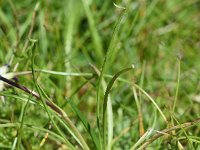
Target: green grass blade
pixel 178 84
pixel 22 115
pixel 147 134
pixel 53 135
pixel 153 101
pixel 96 38
pixel 108 56
pixel 41 93
pixel 86 124
pixel 106 96
pixel 21 98
pixel 14 144
pixel 186 135
pixel 70 29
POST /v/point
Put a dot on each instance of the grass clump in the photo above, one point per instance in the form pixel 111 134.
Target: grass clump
pixel 63 84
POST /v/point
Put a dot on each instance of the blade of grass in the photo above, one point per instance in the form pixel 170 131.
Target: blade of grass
pixel 67 127
pixel 14 144
pixel 142 138
pixel 111 119
pixel 96 38
pixel 21 97
pixel 140 118
pixel 105 102
pixel 153 101
pixel 108 56
pixel 71 20
pixel 176 95
pixel 140 97
pixel 86 124
pixel 178 84
pixel 52 134
pixel 110 123
pixel 42 31
pixel 184 132
pixel 147 134
pixel 109 112
pixel 20 130
pixel 8 125
pixel 75 74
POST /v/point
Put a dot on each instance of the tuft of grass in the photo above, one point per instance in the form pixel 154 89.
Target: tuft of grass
pixel 61 80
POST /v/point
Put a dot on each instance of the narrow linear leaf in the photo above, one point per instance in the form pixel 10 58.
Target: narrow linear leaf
pixel 85 123
pixel 109 87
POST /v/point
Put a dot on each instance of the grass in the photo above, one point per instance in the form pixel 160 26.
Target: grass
pixel 70 89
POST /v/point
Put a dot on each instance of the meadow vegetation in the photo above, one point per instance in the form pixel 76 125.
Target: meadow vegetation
pixel 120 74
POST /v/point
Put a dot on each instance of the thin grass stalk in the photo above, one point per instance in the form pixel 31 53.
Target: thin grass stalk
pixel 153 101
pixel 177 85
pixel 108 57
pixel 168 130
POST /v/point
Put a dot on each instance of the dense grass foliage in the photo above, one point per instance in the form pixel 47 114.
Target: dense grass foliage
pixel 105 74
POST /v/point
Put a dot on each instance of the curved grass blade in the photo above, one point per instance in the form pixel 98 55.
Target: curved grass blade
pixel 106 96
pixel 74 74
pixel 153 101
pixel 108 57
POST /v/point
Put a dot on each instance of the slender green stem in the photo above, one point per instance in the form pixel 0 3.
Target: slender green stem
pixel 153 101
pixel 177 85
